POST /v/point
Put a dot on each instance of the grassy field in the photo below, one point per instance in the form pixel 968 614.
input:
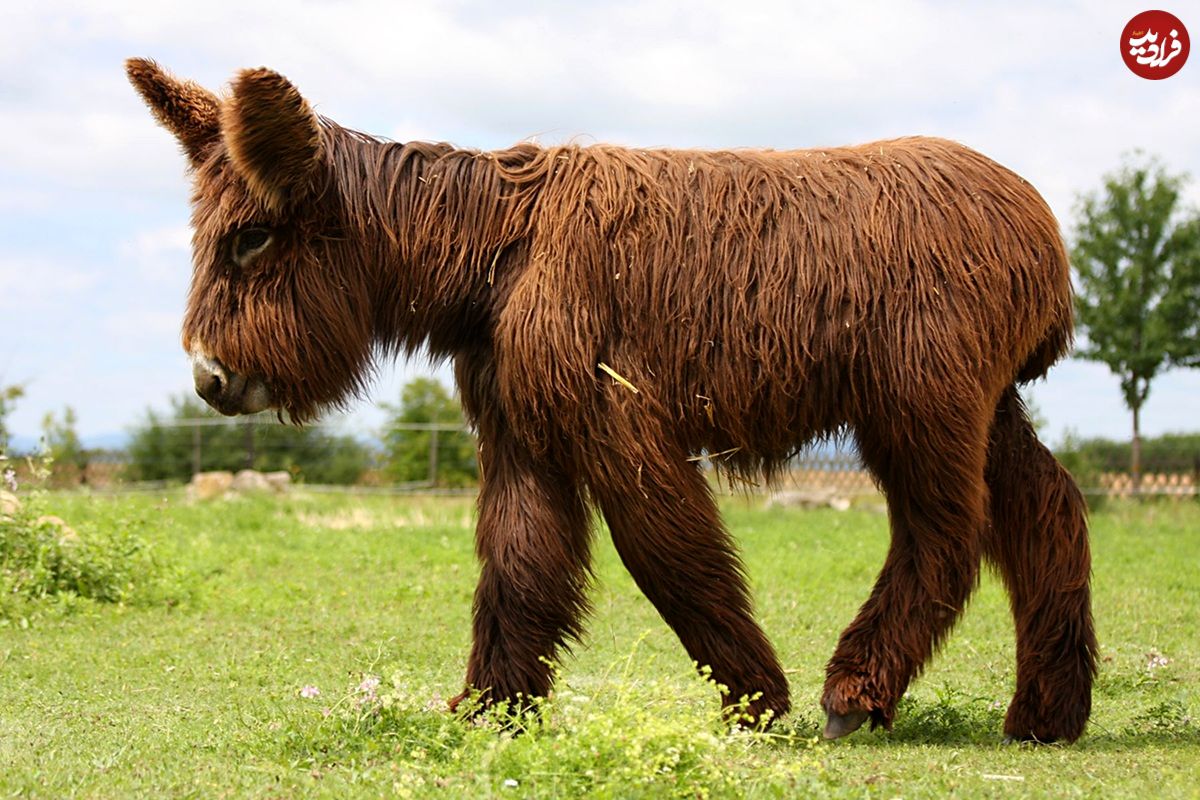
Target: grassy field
pixel 251 670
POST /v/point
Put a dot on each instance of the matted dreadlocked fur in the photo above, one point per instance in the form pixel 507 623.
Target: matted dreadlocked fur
pixel 613 312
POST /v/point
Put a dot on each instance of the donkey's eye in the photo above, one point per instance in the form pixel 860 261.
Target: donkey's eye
pixel 248 243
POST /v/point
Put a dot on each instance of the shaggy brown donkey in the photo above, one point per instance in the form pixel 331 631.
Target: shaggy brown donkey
pixel 749 301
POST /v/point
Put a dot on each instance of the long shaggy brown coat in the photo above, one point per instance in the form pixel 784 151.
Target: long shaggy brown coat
pixel 614 312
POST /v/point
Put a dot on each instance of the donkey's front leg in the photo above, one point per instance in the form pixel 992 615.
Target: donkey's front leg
pixel 533 543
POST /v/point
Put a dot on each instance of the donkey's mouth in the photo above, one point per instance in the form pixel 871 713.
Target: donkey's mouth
pixel 226 391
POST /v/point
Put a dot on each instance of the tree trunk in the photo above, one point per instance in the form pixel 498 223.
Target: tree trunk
pixel 1135 450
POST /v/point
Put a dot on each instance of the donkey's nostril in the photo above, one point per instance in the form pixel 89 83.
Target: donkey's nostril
pixel 211 378
pixel 209 386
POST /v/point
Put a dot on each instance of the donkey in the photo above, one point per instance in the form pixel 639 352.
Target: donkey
pixel 612 312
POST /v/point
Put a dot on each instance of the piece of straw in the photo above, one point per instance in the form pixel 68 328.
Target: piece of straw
pixel 714 456
pixel 612 373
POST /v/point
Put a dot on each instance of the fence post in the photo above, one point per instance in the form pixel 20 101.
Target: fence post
pixel 195 449
pixel 433 456
pixel 248 438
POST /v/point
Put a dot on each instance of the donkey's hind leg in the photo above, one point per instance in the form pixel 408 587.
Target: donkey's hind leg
pixel 1038 540
pixel 669 535
pixel 932 473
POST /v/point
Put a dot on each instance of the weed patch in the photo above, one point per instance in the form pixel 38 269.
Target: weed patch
pixel 47 564
pixel 953 717
pixel 647 744
pixel 1168 720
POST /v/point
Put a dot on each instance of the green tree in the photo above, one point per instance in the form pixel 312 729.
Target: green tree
pixel 1136 254
pixel 63 446
pixel 444 457
pixel 9 395
pixel 171 446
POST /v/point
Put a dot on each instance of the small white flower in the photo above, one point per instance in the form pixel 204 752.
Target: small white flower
pixel 310 691
pixel 510 783
pixel 10 479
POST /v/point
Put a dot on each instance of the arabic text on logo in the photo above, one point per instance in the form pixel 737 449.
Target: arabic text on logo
pixel 1155 45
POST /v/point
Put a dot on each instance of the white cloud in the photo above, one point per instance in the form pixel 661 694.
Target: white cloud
pixel 161 254
pixel 137 328
pixel 30 283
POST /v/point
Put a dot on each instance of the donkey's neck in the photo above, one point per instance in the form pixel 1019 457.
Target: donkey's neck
pixel 437 227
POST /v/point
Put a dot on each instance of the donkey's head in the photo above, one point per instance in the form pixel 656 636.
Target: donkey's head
pixel 279 314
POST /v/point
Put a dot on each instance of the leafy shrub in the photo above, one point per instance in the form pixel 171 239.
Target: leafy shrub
pixel 43 559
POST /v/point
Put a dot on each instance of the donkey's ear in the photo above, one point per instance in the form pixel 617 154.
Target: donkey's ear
pixel 272 136
pixel 186 109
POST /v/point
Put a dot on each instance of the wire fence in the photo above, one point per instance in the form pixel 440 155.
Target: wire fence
pixel 403 457
pixel 440 458
pixel 421 453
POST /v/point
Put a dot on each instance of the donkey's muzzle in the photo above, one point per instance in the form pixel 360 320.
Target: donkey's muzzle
pixel 225 390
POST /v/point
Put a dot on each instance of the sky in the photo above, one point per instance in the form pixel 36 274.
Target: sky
pixel 94 239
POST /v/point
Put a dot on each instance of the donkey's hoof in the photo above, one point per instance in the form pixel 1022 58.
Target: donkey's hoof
pixel 839 725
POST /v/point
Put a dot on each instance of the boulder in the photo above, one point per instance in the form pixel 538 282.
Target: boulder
pixel 809 498
pixel 250 480
pixel 209 485
pixel 9 503
pixel 279 481
pixel 213 485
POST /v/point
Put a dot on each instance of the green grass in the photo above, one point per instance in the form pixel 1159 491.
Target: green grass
pixel 201 697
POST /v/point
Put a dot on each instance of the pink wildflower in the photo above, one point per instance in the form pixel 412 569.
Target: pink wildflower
pixel 367 690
